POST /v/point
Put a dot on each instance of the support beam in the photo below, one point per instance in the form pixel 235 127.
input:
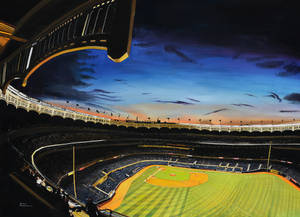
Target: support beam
pixel 3 78
pixel 12 37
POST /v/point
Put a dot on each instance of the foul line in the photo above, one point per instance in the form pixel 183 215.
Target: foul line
pixel 157 171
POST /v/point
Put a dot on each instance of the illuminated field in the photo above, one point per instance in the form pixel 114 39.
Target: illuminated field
pixel 222 194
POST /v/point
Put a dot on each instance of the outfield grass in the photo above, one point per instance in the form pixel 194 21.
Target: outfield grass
pixel 224 194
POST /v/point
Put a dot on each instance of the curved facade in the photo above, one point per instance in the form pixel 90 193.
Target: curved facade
pixel 19 100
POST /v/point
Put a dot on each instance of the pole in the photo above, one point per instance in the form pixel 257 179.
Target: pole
pixel 269 155
pixel 74 173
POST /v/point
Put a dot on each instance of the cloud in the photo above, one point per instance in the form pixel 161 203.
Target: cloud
pixel 104 95
pixel 194 100
pixel 249 94
pixel 87 69
pixel 270 64
pixel 274 96
pixel 108 96
pixel 254 59
pixel 290 70
pixel 293 97
pixel 289 111
pixel 174 102
pixel 108 99
pixel 122 81
pixel 102 91
pixel 216 111
pixel 87 77
pixel 61 77
pixel 174 50
pixel 246 105
pixel 61 92
pixel 119 80
pixel 144 44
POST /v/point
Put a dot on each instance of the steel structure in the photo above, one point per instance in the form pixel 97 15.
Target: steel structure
pixel 104 24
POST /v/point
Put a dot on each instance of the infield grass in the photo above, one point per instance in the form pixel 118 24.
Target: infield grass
pixel 172 173
pixel 224 194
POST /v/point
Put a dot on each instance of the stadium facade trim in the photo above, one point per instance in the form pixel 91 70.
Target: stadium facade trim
pixel 20 100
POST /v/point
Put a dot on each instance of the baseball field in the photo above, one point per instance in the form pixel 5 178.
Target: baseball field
pixel 172 191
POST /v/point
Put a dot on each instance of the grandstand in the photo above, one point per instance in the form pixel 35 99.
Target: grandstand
pixel 100 177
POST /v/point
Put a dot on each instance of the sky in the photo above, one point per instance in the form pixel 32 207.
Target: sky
pixel 211 60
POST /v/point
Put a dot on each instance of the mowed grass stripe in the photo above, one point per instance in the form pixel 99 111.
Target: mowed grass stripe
pixel 172 209
pixel 255 203
pixel 266 204
pixel 136 184
pixel 237 205
pixel 214 196
pixel 165 206
pixel 161 200
pixel 295 202
pixel 184 201
pixel 201 193
pixel 213 202
pixel 227 202
pixel 152 201
pixel 245 207
pixel 136 201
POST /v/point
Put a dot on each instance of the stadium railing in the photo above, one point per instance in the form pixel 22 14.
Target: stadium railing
pixel 20 100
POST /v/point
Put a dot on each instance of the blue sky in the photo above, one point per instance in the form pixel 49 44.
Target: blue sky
pixel 193 79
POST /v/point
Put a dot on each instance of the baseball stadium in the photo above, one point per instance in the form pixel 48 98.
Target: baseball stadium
pixel 125 108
